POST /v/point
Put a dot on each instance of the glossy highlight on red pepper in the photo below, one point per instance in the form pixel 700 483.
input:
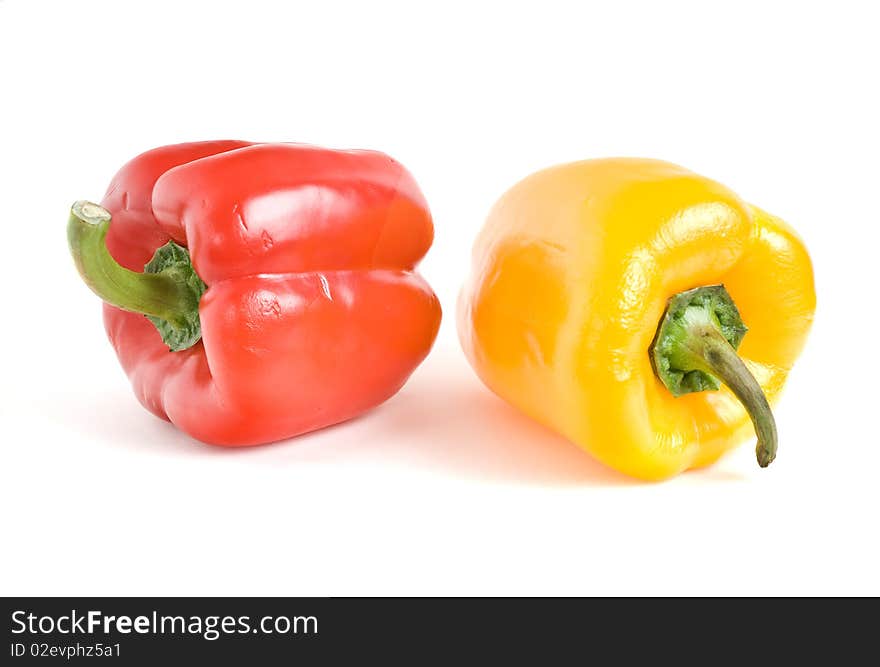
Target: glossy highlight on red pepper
pixel 313 312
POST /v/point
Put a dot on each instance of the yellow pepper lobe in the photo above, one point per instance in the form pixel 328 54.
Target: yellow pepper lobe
pixel 571 276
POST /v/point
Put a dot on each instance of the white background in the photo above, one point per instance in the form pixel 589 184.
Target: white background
pixel 444 489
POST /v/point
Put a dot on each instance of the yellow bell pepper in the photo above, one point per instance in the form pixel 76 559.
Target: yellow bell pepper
pixel 607 301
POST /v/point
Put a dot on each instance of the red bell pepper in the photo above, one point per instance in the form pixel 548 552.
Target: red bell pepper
pixel 277 279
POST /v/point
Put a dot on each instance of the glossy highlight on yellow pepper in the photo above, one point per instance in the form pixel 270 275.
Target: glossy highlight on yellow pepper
pixel 572 274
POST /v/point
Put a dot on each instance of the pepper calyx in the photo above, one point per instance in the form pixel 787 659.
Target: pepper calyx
pixel 671 357
pixel 185 330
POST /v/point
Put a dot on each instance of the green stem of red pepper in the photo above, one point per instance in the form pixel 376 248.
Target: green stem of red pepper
pixel 167 292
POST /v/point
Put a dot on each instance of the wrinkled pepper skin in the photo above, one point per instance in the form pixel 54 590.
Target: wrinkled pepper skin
pixel 571 275
pixel 313 312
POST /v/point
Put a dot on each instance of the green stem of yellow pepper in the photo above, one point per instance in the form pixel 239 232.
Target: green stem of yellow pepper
pixel 695 348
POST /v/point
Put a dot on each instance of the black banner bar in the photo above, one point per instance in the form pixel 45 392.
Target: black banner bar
pixel 412 630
